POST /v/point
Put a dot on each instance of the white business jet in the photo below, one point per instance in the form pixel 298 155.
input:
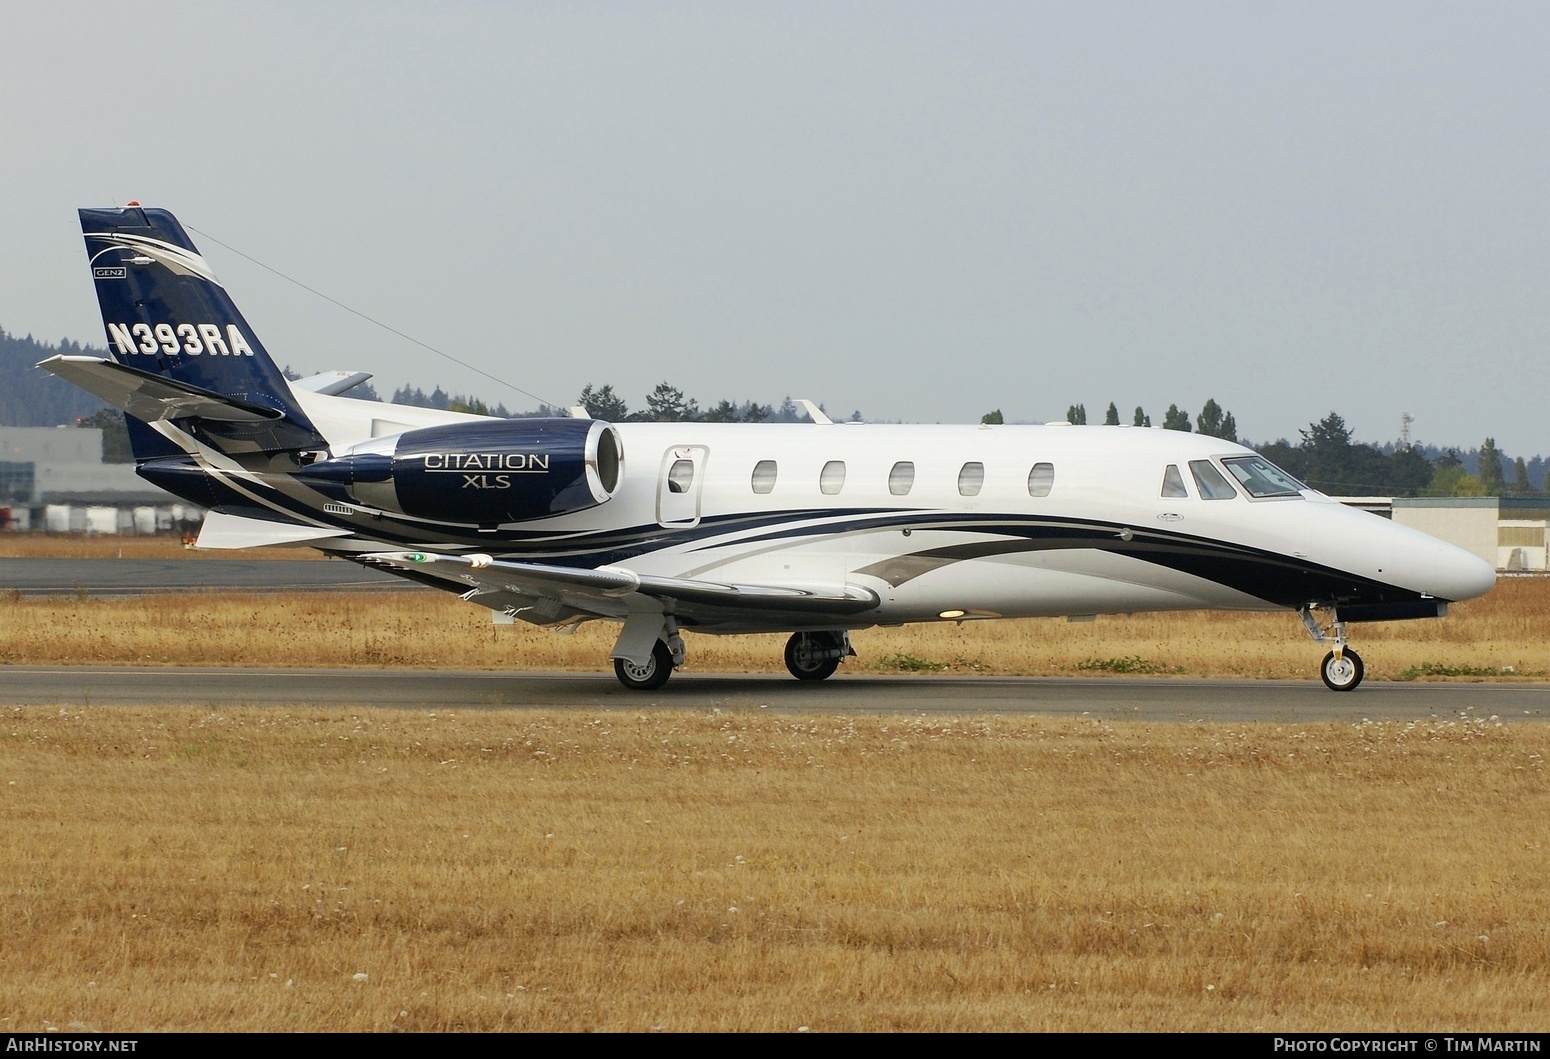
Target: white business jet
pixel 813 529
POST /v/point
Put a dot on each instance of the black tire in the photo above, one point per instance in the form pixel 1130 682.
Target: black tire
pixel 1343 675
pixel 650 676
pixel 803 645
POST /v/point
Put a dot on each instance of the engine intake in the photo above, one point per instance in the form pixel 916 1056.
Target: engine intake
pixel 505 470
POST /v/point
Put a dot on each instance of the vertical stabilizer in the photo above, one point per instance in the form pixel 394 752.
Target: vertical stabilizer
pixel 165 313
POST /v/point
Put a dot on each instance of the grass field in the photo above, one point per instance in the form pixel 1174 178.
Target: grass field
pixel 305 869
pixel 82 546
pixel 1504 636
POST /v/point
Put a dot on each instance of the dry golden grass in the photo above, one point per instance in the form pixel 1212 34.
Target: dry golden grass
pixel 1508 628
pixel 83 546
pixel 306 869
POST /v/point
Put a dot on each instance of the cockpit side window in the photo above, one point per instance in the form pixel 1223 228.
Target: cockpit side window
pixel 1173 483
pixel 1210 482
pixel 1262 478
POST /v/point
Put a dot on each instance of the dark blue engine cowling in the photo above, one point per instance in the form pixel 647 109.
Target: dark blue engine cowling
pixel 503 470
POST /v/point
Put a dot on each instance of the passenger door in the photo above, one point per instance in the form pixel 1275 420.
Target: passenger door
pixel 679 484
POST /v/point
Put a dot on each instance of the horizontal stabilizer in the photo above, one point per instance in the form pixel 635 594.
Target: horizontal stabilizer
pixel 234 531
pixel 331 383
pixel 608 585
pixel 150 397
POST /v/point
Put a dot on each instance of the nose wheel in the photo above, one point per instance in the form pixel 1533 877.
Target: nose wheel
pixel 1341 672
pixel 1342 668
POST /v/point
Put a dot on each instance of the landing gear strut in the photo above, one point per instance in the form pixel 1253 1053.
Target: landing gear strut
pixel 816 655
pixel 1342 668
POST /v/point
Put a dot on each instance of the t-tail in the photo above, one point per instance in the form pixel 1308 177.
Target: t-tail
pixel 181 352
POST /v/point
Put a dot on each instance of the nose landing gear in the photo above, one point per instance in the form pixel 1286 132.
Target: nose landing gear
pixel 1342 668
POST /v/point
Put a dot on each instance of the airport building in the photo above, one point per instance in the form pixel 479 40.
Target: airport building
pixel 1507 531
pixel 53 479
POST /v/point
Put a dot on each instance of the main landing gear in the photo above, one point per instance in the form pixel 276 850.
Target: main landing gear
pixel 1342 668
pixel 809 656
pixel 816 655
pixel 648 677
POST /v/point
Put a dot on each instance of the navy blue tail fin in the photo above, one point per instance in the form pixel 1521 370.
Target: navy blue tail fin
pixel 167 315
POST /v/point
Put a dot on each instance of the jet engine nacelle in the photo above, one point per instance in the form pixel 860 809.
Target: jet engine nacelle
pixel 505 470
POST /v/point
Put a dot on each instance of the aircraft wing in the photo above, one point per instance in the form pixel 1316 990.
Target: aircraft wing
pixel 547 594
pixel 150 397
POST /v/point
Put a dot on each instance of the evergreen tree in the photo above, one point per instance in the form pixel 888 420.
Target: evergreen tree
pixel 1490 474
pixel 667 404
pixel 993 418
pixel 1111 417
pixel 1077 415
pixel 1520 482
pixel 1141 418
pixel 1213 422
pixel 603 403
pixel 1173 419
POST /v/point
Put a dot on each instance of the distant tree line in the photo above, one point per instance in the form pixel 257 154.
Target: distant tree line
pixel 33 398
pixel 1326 457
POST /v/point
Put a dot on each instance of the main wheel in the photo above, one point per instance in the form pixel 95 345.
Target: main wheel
pixel 650 676
pixel 813 655
pixel 1343 673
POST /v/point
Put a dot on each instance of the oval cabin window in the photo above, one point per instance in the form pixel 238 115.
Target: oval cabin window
pixel 764 476
pixel 1041 479
pixel 902 478
pixel 971 479
pixel 680 476
pixel 832 480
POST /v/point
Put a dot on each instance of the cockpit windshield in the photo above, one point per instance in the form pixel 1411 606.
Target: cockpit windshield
pixel 1261 477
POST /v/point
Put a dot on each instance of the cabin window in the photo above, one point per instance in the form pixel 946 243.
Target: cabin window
pixel 1210 482
pixel 832 478
pixel 901 478
pixel 764 476
pixel 1173 483
pixel 971 479
pixel 1263 478
pixel 680 476
pixel 1040 479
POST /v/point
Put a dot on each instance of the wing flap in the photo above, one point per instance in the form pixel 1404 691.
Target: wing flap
pixel 151 397
pixel 603 590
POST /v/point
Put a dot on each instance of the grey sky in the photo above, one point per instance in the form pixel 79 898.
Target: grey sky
pixel 922 211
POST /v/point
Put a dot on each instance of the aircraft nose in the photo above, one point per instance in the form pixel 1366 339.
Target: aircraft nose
pixel 1467 576
pixel 1449 572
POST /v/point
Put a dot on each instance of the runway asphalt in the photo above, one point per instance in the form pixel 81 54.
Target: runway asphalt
pixel 128 577
pixel 1280 701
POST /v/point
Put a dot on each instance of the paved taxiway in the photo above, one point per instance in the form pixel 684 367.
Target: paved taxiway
pixel 127 577
pixel 1116 699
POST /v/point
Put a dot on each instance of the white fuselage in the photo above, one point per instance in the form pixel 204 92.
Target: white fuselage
pixel 1101 539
